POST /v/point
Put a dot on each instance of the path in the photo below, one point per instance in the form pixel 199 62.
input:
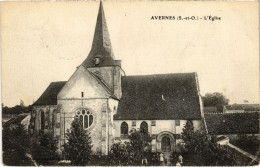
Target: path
pixel 30 156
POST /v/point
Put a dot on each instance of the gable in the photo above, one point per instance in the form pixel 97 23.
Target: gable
pixel 83 81
pixel 164 96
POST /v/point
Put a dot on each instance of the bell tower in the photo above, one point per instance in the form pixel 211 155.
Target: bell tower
pixel 101 60
pixel 93 91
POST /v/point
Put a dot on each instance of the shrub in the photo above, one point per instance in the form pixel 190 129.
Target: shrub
pixel 78 145
pixel 140 143
pixel 203 149
pixel 121 154
pixel 44 150
pixel 16 143
pixel 249 143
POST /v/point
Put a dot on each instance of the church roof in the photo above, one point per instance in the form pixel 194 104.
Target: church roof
pixel 233 123
pixel 101 45
pixel 49 96
pixel 163 96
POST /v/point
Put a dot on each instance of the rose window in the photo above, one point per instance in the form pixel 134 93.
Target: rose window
pixel 85 117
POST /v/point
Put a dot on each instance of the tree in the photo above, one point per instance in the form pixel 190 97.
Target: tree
pixel 121 154
pixel 187 137
pixel 78 145
pixel 21 103
pixel 45 151
pixel 215 99
pixel 16 143
pixel 16 109
pixel 140 141
pixel 203 149
pixel 249 143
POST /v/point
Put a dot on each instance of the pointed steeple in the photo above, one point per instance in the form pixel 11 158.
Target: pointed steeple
pixel 101 46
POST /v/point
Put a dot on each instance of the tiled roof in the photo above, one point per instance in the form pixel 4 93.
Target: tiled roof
pixel 49 96
pixel 233 123
pixel 16 120
pixel 245 107
pixel 163 96
pixel 210 109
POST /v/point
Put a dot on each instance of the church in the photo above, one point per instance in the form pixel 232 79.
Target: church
pixel 110 104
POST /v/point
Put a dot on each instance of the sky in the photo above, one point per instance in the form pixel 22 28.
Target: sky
pixel 43 42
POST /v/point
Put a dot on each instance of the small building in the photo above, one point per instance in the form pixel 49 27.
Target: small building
pixel 241 108
pixel 23 119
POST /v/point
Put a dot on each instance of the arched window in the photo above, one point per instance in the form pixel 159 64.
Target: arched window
pixel 189 123
pixel 53 118
pixel 124 129
pixel 144 127
pixel 85 118
pixel 42 120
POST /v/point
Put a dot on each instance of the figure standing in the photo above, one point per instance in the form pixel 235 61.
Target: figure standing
pixel 178 163
pixel 180 159
pixel 161 159
pixel 144 159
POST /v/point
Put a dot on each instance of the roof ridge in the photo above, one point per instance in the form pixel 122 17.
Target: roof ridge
pixel 58 81
pixel 106 87
pixel 49 96
pixel 158 74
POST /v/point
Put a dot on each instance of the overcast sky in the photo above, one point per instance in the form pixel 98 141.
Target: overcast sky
pixel 44 42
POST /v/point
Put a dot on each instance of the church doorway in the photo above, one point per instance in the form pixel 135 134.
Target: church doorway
pixel 166 144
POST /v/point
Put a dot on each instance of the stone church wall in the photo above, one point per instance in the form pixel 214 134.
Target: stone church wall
pixel 101 126
pixel 49 119
pixel 160 125
pixel 157 128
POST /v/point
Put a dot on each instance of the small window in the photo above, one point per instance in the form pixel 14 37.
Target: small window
pixel 144 127
pixel 134 123
pixel 177 122
pixel 189 122
pixel 82 94
pixel 42 120
pixel 153 123
pixel 96 60
pixel 124 130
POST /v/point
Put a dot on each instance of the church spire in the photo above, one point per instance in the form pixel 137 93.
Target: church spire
pixel 101 53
